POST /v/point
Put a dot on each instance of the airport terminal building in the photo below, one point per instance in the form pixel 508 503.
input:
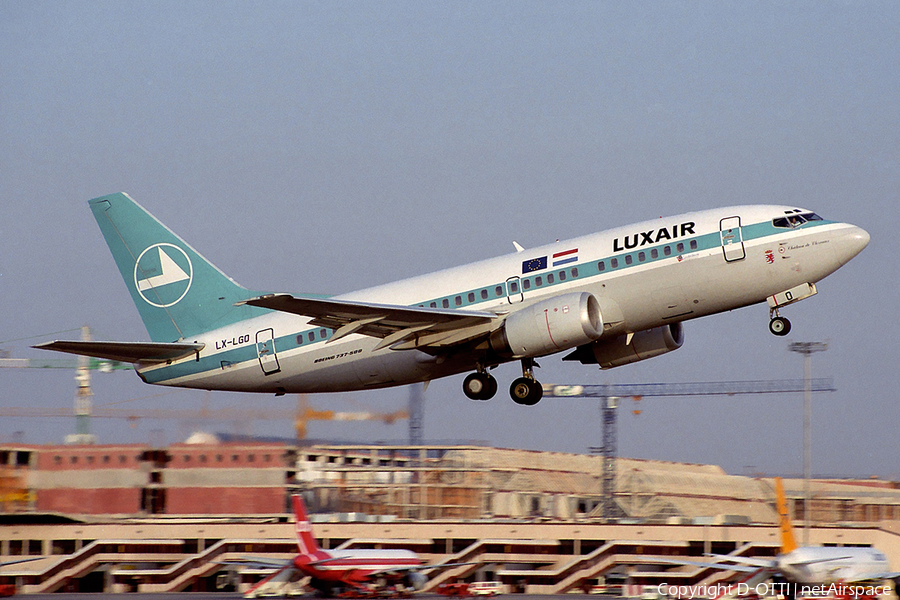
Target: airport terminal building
pixel 123 517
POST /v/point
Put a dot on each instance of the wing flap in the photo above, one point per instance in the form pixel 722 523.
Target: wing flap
pixel 394 324
pixel 133 352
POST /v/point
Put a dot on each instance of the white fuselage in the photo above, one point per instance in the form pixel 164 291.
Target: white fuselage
pixel 826 565
pixel 657 272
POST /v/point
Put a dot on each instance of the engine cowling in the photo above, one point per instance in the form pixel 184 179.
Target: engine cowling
pixel 646 344
pixel 549 326
pixel 416 580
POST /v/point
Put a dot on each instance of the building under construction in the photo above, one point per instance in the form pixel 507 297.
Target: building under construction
pixel 171 519
pixel 406 482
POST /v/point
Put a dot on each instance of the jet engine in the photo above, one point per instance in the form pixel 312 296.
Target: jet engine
pixel 619 351
pixel 554 324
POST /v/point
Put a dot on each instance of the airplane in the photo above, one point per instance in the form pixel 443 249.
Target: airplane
pixel 357 571
pixel 610 298
pixel 806 568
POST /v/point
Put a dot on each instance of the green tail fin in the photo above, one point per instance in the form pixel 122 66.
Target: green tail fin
pixel 178 293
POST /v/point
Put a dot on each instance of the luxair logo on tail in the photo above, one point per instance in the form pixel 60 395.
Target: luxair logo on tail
pixel 163 274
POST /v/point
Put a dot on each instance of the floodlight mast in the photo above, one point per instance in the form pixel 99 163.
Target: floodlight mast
pixel 610 393
pixel 807 349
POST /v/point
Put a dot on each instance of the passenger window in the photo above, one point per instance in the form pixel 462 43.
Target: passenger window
pixel 484 294
pixel 322 333
pixel 601 266
pixel 693 244
pixel 538 281
pixel 526 284
pixel 471 296
pixel 498 290
pixel 642 256
pixel 680 247
pixel 300 339
pixel 667 251
pixel 614 263
pixel 445 303
pixel 574 272
pixel 549 278
pixel 514 287
pixel 433 305
pixel 654 253
pixel 628 259
pixel 458 300
pixel 562 275
pixel 311 336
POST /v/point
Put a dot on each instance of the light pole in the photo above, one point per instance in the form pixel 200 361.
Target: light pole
pixel 807 349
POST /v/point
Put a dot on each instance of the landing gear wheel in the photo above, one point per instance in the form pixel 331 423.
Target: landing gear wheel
pixel 780 326
pixel 480 386
pixel 526 391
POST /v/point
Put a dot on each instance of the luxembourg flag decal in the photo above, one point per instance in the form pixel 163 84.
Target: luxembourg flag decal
pixel 564 258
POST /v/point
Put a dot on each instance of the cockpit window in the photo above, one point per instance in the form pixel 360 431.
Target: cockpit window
pixel 796 220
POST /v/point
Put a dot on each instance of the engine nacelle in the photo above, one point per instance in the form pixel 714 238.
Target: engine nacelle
pixel 416 580
pixel 644 344
pixel 554 324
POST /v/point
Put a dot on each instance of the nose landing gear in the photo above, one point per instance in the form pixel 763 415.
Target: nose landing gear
pixel 778 325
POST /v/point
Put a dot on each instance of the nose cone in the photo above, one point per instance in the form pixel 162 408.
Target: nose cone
pixel 851 243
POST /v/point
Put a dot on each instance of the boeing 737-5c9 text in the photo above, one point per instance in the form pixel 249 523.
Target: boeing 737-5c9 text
pixel 611 298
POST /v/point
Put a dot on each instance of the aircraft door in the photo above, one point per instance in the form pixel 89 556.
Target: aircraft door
pixel 265 349
pixel 732 240
pixel 514 290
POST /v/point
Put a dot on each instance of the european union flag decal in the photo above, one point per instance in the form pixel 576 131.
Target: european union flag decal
pixel 535 264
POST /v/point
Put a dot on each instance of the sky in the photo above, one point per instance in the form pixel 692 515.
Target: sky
pixel 324 147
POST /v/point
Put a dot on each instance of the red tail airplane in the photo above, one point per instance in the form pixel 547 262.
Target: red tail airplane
pixel 334 571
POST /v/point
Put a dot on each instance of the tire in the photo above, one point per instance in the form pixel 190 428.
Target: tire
pixel 480 386
pixel 527 392
pixel 780 326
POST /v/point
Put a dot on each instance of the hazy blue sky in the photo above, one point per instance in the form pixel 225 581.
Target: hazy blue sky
pixel 329 146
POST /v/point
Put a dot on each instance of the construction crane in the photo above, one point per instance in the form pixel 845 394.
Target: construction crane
pixel 301 416
pixel 610 393
pixel 305 413
pixel 83 366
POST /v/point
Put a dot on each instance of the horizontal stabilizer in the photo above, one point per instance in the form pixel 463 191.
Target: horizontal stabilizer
pixel 132 352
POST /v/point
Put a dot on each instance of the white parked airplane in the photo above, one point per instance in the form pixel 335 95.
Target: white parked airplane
pixel 807 568
pixel 613 298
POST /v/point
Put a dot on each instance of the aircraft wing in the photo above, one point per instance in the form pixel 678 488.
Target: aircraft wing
pixel 399 327
pixel 744 560
pixel 710 565
pixel 256 562
pixel 132 352
pixel 815 561
pixel 16 562
pixel 407 569
pixel 872 577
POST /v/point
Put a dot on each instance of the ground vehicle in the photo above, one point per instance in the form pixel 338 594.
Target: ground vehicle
pixel 486 588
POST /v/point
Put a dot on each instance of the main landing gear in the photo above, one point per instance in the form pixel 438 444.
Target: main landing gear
pixel 778 325
pixel 524 390
pixel 480 385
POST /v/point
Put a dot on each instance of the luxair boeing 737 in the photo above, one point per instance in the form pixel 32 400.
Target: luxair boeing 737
pixel 610 298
